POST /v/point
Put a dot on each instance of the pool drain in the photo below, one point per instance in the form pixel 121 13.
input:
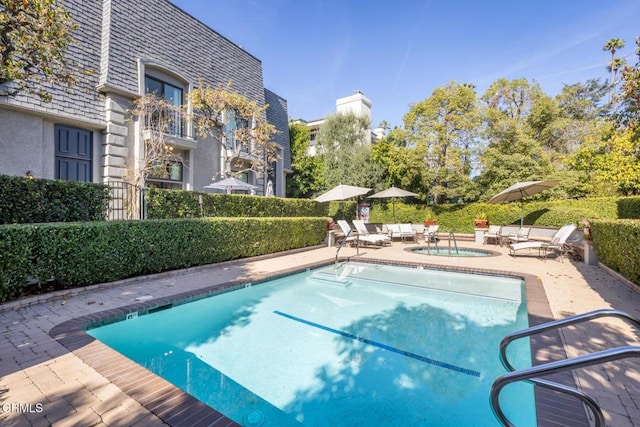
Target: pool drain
pixel 254 419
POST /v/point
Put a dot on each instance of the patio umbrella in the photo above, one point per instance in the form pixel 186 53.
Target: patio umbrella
pixel 519 190
pixel 342 192
pixel 229 184
pixel 392 193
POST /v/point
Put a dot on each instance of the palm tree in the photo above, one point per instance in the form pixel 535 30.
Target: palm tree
pixel 612 46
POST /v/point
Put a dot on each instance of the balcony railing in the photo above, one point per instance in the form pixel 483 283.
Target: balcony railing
pixel 170 121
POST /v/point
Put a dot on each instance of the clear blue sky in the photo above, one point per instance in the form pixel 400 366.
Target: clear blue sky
pixel 398 52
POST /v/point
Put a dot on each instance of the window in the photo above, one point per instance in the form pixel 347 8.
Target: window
pixel 173 95
pixel 171 171
pixel 168 175
pixel 233 123
pixel 244 177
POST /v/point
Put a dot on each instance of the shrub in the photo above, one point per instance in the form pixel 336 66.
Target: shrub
pixel 32 200
pixel 629 207
pixel 617 243
pixel 165 204
pixel 460 217
pixel 78 254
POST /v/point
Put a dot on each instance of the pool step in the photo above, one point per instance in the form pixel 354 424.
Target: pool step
pixel 330 278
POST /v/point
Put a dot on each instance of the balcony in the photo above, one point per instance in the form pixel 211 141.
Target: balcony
pixel 173 124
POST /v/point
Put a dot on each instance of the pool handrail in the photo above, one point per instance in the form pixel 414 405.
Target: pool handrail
pixel 344 240
pixel 451 235
pixel 531 374
pixel 568 321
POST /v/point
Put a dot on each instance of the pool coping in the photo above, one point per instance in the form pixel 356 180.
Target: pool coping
pixel 177 408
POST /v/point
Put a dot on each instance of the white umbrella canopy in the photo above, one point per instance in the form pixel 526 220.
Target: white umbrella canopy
pixel 342 192
pixel 519 190
pixel 392 193
pixel 230 184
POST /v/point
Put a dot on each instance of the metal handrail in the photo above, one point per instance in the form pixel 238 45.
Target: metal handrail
pixel 454 242
pixel 572 320
pixel 530 375
pixel 342 244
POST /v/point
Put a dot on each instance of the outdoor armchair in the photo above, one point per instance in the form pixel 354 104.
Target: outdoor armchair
pixel 494 232
pixel 430 233
pixel 521 236
pixel 407 232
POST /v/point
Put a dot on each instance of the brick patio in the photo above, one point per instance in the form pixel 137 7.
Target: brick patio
pixel 73 387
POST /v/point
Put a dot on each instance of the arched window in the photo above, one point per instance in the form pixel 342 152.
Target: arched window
pixel 174 97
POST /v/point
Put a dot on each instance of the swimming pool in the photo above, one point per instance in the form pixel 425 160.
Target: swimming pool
pixel 360 345
pixel 446 251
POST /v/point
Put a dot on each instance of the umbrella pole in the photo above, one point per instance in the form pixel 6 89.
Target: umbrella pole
pixel 393 203
pixel 521 212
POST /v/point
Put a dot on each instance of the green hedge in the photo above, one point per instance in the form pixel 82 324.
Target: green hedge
pixel 629 207
pixel 165 204
pixel 77 254
pixel 32 200
pixel 341 209
pixel 555 213
pixel 617 243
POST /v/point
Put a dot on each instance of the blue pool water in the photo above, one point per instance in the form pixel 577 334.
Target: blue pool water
pixel 445 251
pixel 360 345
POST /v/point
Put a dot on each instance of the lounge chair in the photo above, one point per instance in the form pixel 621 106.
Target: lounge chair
pixel 349 234
pixel 521 236
pixel 494 232
pixel 431 232
pixel 394 231
pixel 354 237
pixel 557 243
pixel 361 228
pixel 407 232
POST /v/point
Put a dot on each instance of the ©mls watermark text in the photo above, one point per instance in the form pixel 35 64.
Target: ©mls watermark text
pixel 21 408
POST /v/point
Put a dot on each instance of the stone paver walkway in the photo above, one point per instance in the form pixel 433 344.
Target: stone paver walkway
pixel 42 383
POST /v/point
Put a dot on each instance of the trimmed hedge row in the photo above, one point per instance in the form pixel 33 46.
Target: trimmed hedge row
pixel 67 255
pixel 617 243
pixel 32 200
pixel 164 204
pixel 553 213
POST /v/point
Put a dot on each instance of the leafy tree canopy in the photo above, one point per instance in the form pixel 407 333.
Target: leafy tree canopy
pixel 34 37
pixel 307 175
pixel 216 108
pixel 347 157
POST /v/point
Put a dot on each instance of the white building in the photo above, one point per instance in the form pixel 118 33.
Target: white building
pixel 357 104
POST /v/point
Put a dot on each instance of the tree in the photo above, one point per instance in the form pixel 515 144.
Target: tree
pixel 34 37
pixel 613 46
pixel 629 115
pixel 583 101
pixel 402 166
pixel 156 117
pixel 610 157
pixel 346 157
pixel 513 152
pixel 307 176
pixel 239 124
pixel 447 127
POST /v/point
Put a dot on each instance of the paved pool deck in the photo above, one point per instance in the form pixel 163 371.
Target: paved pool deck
pixel 43 383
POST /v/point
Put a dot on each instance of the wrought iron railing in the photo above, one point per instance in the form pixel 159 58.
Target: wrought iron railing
pixel 170 121
pixel 127 201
